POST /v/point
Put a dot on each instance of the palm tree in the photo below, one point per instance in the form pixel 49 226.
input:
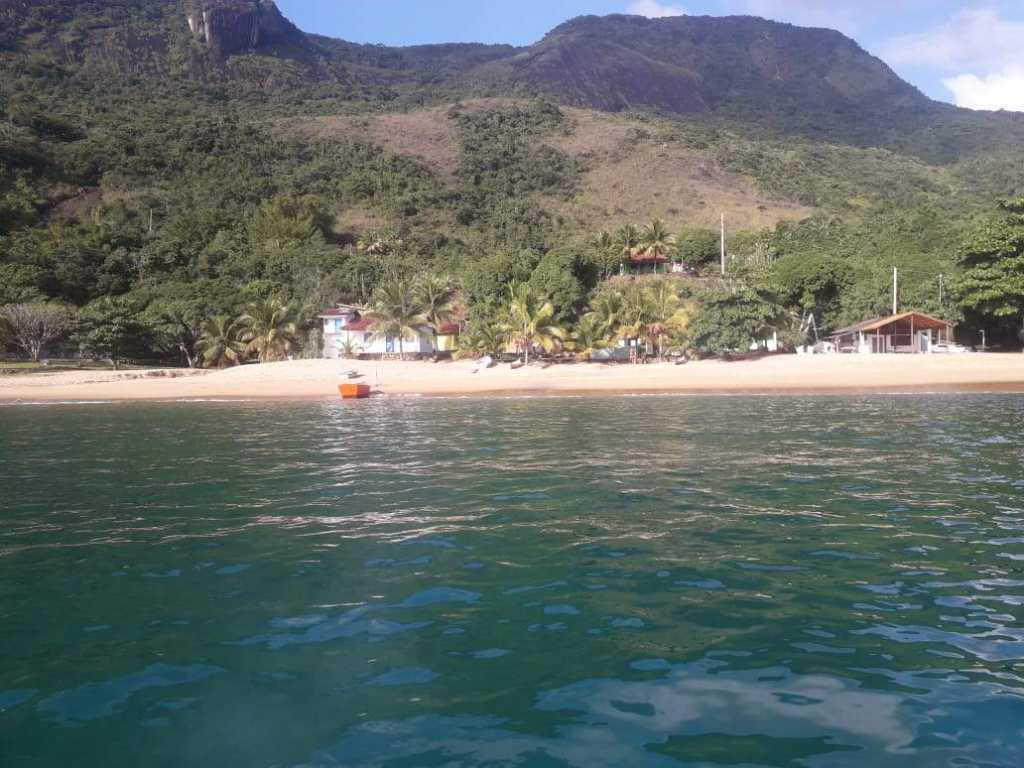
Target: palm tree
pixel 269 330
pixel 655 242
pixel 435 296
pixel 661 308
pixel 349 348
pixel 626 240
pixel 605 253
pixel 531 320
pixel 609 309
pixel 636 313
pixel 395 311
pixel 218 342
pixel 482 337
pixel 589 335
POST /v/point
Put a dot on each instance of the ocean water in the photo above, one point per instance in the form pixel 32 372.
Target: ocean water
pixel 551 582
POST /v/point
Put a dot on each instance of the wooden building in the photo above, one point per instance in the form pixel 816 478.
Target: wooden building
pixel 907 332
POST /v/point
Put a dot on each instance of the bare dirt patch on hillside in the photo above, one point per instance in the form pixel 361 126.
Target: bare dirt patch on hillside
pixel 626 179
pixel 426 135
pixel 631 180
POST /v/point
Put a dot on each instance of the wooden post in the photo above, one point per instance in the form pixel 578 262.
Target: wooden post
pixel 723 244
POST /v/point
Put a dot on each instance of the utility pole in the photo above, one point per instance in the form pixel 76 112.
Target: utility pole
pixel 895 291
pixel 723 243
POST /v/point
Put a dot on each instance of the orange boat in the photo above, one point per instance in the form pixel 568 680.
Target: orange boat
pixel 354 391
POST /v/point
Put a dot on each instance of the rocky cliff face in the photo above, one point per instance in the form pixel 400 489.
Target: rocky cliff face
pixel 692 64
pixel 237 26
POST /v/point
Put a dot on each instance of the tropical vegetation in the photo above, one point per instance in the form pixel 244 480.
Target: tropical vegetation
pixel 219 344
pixel 169 206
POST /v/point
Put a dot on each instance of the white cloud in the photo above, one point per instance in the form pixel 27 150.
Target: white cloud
pixel 999 90
pixel 971 39
pixel 652 9
pixel 978 51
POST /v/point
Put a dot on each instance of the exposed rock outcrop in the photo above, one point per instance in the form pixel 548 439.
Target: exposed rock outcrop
pixel 237 26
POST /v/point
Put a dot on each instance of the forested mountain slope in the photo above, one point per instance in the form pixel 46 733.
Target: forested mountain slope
pixel 152 148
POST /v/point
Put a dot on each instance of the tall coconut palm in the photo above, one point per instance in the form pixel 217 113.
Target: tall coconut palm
pixel 396 311
pixel 436 298
pixel 218 343
pixel 605 253
pixel 661 307
pixel 635 314
pixel 531 321
pixel 269 330
pixel 655 242
pixel 626 240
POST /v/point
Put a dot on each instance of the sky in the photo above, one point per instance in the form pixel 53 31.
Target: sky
pixel 966 53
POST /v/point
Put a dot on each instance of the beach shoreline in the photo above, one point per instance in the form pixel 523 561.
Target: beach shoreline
pixel 319 379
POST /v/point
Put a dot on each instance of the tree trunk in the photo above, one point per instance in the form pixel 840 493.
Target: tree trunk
pixel 35 350
pixel 401 347
pixel 526 350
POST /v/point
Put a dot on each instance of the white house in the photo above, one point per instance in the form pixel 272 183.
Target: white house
pixel 347 333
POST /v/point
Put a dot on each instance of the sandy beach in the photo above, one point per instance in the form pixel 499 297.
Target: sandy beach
pixel 313 379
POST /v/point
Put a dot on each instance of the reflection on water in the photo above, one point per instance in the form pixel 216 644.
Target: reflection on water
pixel 585 582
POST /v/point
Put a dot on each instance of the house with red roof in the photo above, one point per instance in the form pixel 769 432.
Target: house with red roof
pixel 651 260
pixel 348 332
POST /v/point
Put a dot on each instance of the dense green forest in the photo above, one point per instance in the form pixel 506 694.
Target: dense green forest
pixel 151 190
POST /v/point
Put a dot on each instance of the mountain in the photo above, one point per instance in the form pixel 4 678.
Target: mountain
pixel 147 141
pixel 237 26
pixel 743 67
pixel 774 78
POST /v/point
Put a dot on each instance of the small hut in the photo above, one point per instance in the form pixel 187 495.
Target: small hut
pixel 907 332
pixel 646 259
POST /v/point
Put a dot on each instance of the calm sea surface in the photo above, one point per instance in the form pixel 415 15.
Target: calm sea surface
pixel 576 582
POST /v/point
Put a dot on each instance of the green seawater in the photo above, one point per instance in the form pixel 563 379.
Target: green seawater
pixel 582 582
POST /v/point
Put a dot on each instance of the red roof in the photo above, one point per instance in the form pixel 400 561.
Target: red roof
pixel 366 324
pixel 644 257
pixel 335 312
pixel 361 324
